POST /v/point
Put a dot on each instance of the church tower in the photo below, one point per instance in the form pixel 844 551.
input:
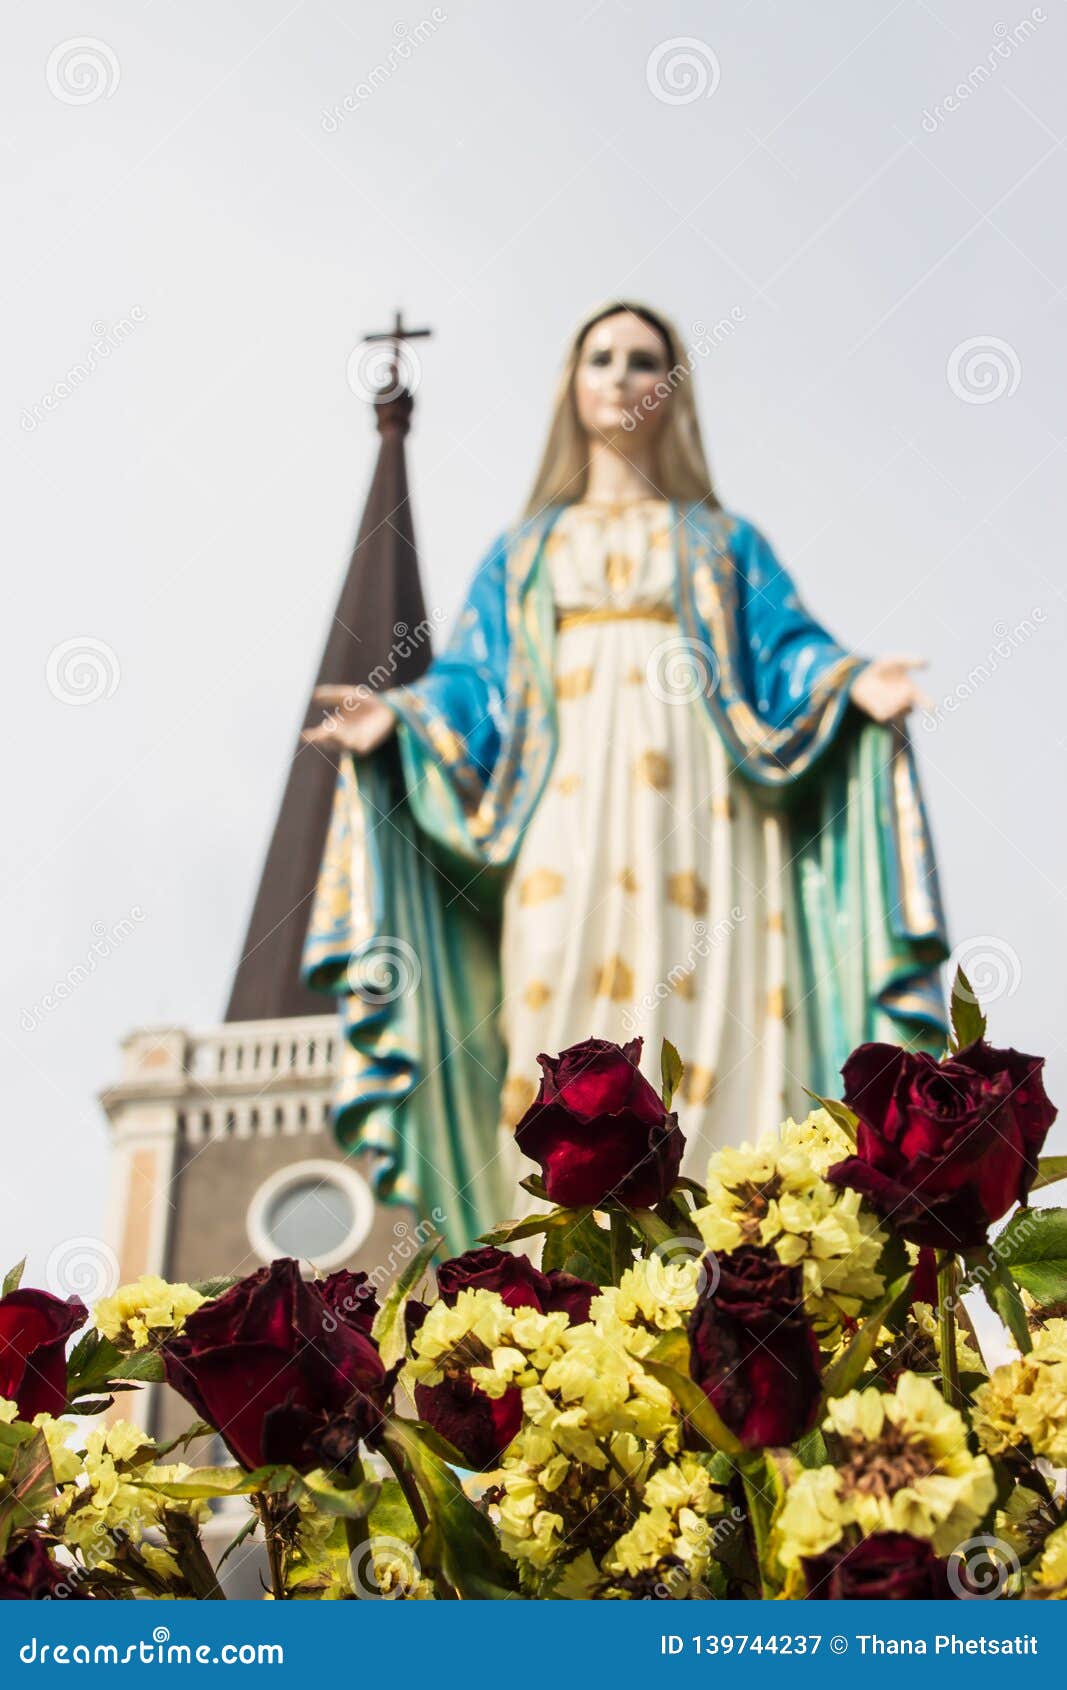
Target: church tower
pixel 223 1154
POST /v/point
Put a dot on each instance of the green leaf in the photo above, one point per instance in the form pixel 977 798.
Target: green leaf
pixel 212 1288
pixel 577 1232
pixel 843 1373
pixel 669 1363
pixel 220 1481
pixel 440 1446
pixel 460 1542
pixel 1050 1169
pixel 654 1230
pixel 506 1232
pixel 968 1022
pixel 671 1069
pixel 838 1112
pixel 391 1515
pixel 1033 1248
pixel 330 1498
pixel 535 1185
pixel 388 1331
pixel 29 1486
pixel 13 1277
pixel 1002 1295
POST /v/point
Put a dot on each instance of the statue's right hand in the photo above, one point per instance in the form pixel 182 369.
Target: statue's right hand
pixel 355 719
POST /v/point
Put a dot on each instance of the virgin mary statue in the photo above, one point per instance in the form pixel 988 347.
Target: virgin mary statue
pixel 641 793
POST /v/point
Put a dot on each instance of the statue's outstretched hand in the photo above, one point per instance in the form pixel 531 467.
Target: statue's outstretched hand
pixel 886 691
pixel 356 720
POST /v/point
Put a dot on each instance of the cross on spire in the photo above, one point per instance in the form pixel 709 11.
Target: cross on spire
pixel 396 336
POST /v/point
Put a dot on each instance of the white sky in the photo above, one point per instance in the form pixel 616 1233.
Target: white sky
pixel 188 508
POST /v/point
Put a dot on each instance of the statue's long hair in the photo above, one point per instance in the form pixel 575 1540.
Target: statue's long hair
pixel 679 469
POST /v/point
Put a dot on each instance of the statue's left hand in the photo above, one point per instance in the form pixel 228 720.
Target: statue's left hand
pixel 886 691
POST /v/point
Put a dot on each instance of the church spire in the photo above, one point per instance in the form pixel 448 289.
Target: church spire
pixel 380 605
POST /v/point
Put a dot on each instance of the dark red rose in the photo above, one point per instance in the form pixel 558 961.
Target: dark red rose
pixel 34 1328
pixel 281 1372
pixel 352 1298
pixel 944 1148
pixel 752 1350
pixel 886 1567
pixel 478 1426
pixel 29 1574
pixel 599 1130
pixel 517 1282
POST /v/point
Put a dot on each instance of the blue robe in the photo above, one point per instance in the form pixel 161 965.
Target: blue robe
pixel 405 925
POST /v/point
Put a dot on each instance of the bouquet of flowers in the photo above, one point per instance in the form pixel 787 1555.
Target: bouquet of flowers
pixel 768 1386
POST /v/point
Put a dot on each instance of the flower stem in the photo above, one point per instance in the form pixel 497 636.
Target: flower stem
pixel 276 1554
pixel 947 1283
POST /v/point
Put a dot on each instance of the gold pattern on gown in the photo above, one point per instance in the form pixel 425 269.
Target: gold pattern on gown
pixel 516 1097
pixel 542 884
pixel 614 979
pixel 688 891
pixel 575 684
pixel 653 769
pixel 568 784
pixel 537 994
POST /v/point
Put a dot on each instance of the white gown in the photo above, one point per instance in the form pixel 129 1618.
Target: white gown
pixel 650 895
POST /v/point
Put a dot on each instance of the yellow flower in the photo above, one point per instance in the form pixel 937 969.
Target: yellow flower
pixel 1051 1576
pixel 1024 1402
pixel 774 1194
pixel 141 1312
pixel 904 1466
pixel 967 1358
pixel 678 1502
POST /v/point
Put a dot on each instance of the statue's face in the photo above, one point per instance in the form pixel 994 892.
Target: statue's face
pixel 619 382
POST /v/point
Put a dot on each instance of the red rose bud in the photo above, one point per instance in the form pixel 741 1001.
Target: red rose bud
pixel 752 1350
pixel 944 1148
pixel 283 1374
pixel 599 1130
pixel 887 1567
pixel 517 1282
pixel 34 1328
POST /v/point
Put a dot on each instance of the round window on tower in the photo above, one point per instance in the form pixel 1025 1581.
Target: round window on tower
pixel 318 1211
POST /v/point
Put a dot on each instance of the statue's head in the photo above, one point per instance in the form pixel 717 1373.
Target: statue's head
pixel 627 382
